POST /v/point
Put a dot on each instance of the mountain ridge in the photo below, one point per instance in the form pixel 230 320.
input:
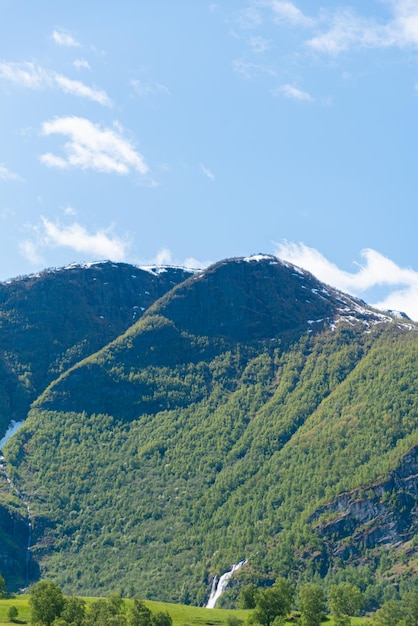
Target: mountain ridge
pixel 245 398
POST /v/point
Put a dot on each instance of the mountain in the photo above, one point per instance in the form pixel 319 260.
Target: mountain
pixel 48 322
pixel 252 412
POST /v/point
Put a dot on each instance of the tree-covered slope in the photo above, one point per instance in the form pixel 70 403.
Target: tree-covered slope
pixel 217 428
pixel 49 321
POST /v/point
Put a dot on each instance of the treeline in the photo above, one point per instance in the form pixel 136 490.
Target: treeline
pixel 307 604
pixel 49 607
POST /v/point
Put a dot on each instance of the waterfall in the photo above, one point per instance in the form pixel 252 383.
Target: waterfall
pixel 219 586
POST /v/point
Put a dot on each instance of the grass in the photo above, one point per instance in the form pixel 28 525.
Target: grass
pixel 181 614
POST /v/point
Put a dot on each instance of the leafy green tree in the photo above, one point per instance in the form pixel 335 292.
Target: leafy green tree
pixel 2 586
pixel 312 604
pixel 74 611
pixel 345 600
pixel 12 613
pixel 273 602
pixel 233 620
pixel 389 614
pixel 410 607
pixel 247 596
pixel 139 615
pixel 161 618
pixel 106 612
pixel 47 602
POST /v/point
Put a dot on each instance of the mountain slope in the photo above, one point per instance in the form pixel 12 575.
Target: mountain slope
pixel 47 323
pixel 51 320
pixel 214 429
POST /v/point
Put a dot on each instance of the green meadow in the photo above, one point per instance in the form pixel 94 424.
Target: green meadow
pixel 181 614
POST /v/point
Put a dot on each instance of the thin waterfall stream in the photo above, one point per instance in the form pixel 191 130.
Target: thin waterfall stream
pixel 219 586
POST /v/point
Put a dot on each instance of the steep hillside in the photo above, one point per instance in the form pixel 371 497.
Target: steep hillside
pixel 223 425
pixel 48 322
pixel 51 320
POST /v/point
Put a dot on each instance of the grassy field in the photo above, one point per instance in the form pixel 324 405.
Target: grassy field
pixel 181 614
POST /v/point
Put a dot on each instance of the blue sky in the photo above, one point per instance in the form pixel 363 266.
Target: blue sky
pixel 187 132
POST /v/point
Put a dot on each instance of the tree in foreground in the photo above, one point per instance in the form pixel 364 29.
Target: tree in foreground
pixel 140 615
pixel 74 611
pixel 312 604
pixel 390 614
pixel 2 587
pixel 12 613
pixel 47 603
pixel 273 603
pixel 345 600
pixel 247 596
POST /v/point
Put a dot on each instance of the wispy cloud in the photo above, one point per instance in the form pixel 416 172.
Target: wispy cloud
pixel 144 89
pixel 345 29
pixel 288 12
pixel 293 93
pixel 207 172
pixel 102 244
pixel 77 88
pixel 92 147
pixel 376 271
pixel 248 69
pixel 80 64
pixel 333 31
pixel 249 18
pixel 6 174
pixel 165 257
pixel 30 251
pixel 63 38
pixel 33 76
pixel 259 45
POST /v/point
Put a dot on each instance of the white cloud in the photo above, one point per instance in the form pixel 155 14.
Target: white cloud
pixel 206 171
pixel 35 77
pixel 25 74
pixel 6 174
pixel 70 211
pixel 249 70
pixel 77 88
pixel 148 89
pixel 347 30
pixel 92 147
pixel 81 64
pixel 341 29
pixel 30 251
pixel 63 38
pixel 103 244
pixel 293 93
pixel 165 257
pixel 288 12
pixel 376 271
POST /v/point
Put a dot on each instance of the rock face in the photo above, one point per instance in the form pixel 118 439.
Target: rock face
pixel 382 514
